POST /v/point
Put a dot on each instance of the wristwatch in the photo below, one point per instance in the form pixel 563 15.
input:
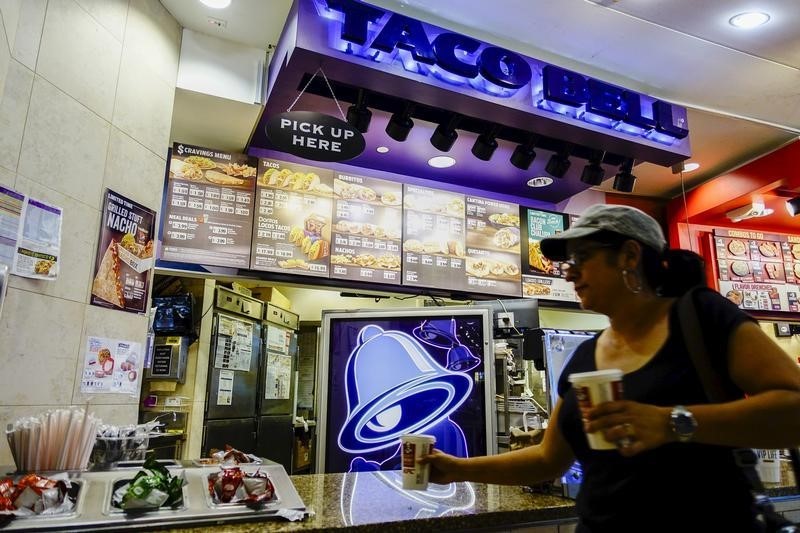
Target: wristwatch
pixel 683 423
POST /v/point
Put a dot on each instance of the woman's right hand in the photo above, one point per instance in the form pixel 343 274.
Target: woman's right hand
pixel 445 468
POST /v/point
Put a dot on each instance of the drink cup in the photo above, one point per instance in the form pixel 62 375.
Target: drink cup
pixel 593 388
pixel 415 476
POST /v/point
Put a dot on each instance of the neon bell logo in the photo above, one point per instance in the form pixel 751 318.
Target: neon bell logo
pixel 456 59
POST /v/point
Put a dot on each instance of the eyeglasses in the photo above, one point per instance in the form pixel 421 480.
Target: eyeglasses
pixel 577 258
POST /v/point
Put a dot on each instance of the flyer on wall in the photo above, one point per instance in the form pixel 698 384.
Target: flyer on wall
pixel 493 246
pixel 543 278
pixel 124 254
pixel 208 211
pixel 38 246
pixel 11 204
pixel 111 366
pixel 434 251
pixel 292 226
pixel 368 214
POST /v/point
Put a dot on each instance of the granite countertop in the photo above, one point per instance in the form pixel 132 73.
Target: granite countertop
pixel 367 500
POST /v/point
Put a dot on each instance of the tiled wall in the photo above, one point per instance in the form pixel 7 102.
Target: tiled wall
pixel 86 94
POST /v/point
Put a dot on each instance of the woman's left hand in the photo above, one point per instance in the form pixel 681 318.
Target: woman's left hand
pixel 635 427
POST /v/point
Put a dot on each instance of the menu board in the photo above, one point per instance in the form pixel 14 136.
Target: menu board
pixel 493 246
pixel 367 229
pixel 541 277
pixel 209 212
pixel 292 226
pixel 758 271
pixel 434 247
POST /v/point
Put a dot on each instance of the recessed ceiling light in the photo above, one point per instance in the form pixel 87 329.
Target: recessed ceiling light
pixel 441 161
pixel 749 19
pixel 382 149
pixel 216 4
pixel 540 181
pixel 689 167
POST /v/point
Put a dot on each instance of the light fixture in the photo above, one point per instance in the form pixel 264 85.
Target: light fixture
pixel 216 4
pixel 540 181
pixel 749 20
pixel 754 209
pixel 485 144
pixel 593 173
pixel 445 134
pixel 559 162
pixel 441 161
pixel 625 181
pixel 358 115
pixel 382 149
pixel 793 205
pixel 400 123
pixel 523 154
pixel 690 167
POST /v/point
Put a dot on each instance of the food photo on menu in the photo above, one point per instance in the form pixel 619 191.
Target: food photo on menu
pixel 493 245
pixel 542 278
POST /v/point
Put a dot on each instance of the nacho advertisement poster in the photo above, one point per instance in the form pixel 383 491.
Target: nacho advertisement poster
pixel 124 254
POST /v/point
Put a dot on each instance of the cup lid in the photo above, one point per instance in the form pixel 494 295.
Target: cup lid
pixel 608 374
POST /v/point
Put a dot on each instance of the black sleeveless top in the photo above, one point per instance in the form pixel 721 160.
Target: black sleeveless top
pixel 658 490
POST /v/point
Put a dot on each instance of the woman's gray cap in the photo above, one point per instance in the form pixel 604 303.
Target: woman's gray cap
pixel 622 219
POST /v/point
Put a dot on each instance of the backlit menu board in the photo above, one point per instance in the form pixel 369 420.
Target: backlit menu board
pixel 434 250
pixel 756 270
pixel 493 246
pixel 541 277
pixel 367 229
pixel 209 207
pixel 292 226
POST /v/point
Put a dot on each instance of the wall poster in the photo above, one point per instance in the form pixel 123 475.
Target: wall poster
pixel 111 366
pixel 541 277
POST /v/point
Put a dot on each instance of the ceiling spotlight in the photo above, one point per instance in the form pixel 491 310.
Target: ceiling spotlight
pixel 689 167
pixel 216 4
pixel 523 154
pixel 540 181
pixel 358 115
pixel 445 134
pixel 793 206
pixel 382 149
pixel 485 144
pixel 593 173
pixel 400 123
pixel 625 181
pixel 748 20
pixel 559 162
pixel 441 161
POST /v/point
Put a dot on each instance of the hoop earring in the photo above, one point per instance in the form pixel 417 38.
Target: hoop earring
pixel 634 289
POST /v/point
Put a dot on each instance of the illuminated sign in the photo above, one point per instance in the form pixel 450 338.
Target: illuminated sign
pixel 390 38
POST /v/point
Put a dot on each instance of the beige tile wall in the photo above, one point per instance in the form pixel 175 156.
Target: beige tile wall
pixel 86 94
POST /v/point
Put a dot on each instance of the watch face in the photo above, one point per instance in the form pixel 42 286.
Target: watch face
pixel 683 423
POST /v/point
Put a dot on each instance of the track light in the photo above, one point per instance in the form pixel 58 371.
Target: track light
pixel 485 144
pixel 624 181
pixel 593 173
pixel 523 154
pixel 358 115
pixel 793 205
pixel 400 123
pixel 445 134
pixel 559 162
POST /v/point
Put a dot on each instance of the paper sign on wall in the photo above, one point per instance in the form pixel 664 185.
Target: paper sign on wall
pixel 111 366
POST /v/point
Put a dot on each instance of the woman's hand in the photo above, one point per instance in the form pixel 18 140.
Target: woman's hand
pixel 635 427
pixel 444 468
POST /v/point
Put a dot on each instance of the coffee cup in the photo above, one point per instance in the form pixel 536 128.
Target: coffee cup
pixel 593 388
pixel 415 476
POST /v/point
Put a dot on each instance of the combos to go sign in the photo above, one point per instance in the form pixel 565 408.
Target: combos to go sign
pixel 314 136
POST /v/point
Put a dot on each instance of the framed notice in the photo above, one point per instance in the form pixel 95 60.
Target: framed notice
pixel 541 277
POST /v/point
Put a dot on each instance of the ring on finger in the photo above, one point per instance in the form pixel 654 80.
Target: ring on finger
pixel 628 429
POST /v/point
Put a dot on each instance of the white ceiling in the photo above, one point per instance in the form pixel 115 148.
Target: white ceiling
pixel 742 87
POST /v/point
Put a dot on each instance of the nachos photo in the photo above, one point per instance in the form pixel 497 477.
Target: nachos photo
pixel 106 284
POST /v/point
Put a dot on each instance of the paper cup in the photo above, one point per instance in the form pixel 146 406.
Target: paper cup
pixel 593 388
pixel 415 476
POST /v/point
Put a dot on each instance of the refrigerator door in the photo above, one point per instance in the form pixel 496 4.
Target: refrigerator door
pixel 276 391
pixel 233 367
pixel 558 348
pixel 275 438
pixel 238 432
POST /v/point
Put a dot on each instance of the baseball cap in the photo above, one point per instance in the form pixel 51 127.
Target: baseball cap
pixel 622 219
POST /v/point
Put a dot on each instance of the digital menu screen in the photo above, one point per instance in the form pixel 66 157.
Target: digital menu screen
pixel 541 277
pixel 367 229
pixel 493 246
pixel 758 271
pixel 209 207
pixel 434 251
pixel 292 226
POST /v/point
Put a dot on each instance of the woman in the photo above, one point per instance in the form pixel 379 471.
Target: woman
pixel 673 463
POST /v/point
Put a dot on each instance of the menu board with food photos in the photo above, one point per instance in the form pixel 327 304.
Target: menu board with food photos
pixel 756 270
pixel 367 229
pixel 541 277
pixel 209 207
pixel 493 246
pixel 434 239
pixel 292 225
